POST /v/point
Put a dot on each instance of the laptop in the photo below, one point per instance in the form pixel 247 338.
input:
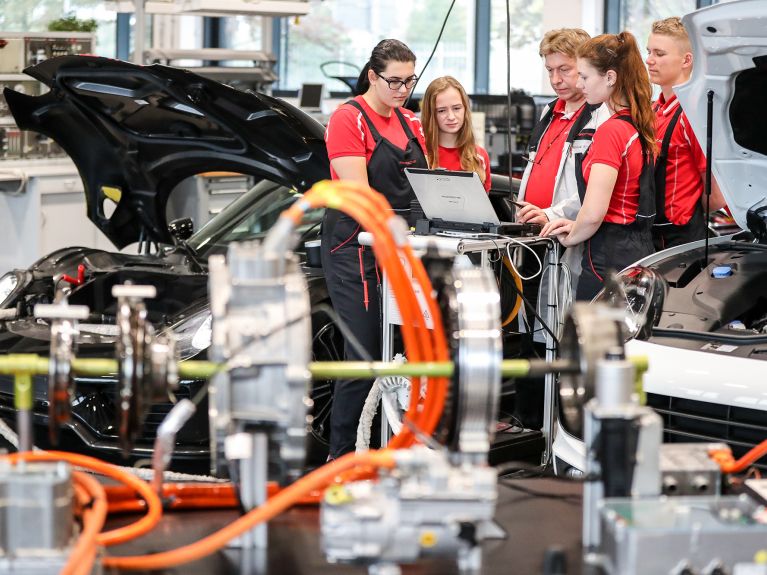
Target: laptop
pixel 458 202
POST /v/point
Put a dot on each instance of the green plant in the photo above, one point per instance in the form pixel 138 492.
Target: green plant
pixel 71 23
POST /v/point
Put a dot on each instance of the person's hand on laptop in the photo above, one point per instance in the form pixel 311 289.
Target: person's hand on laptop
pixel 560 228
pixel 527 213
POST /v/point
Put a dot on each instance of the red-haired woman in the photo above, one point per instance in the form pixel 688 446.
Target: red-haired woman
pixel 616 218
pixel 446 120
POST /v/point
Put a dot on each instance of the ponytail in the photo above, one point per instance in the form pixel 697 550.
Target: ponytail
pixel 363 82
pixel 620 53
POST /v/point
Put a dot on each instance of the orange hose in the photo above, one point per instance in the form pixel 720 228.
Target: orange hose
pixel 279 503
pixel 727 462
pixel 518 283
pixel 122 534
pixel 356 201
pixel 436 387
pixel 175 496
pixel 91 495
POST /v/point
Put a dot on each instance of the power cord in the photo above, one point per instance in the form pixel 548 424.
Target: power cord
pixel 439 37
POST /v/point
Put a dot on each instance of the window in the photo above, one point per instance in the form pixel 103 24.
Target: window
pixel 347 30
pixel 637 16
pixel 244 33
pixel 34 15
pixel 526 34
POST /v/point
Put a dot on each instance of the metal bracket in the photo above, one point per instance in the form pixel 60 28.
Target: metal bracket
pixel 61 384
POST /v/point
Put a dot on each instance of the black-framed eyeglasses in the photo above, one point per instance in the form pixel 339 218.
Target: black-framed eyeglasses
pixel 396 83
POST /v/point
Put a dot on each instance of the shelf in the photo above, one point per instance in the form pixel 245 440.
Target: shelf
pixel 216 7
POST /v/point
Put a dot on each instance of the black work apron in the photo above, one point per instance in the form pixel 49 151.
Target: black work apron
pixel 614 246
pixel 352 277
pixel 669 235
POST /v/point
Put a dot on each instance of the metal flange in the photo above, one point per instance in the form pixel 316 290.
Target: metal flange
pixel 476 330
pixel 471 309
pixel 589 332
pixel 136 387
pixel 61 384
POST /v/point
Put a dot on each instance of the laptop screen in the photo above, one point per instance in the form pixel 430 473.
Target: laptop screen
pixel 310 96
pixel 452 196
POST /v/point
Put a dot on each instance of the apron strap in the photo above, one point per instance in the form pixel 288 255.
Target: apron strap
pixel 374 132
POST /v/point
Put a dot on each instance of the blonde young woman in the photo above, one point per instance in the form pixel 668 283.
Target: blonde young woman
pixel 446 120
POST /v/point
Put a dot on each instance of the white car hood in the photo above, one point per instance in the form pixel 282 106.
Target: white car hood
pixel 729 43
pixel 710 377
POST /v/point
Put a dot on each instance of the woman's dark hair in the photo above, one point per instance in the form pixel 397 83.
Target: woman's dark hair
pixel 385 51
pixel 620 53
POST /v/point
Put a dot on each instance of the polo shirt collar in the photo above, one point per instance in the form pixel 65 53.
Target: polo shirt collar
pixel 559 108
pixel 666 107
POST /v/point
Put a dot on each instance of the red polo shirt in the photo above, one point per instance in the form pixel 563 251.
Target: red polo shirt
pixel 540 182
pixel 616 143
pixel 684 165
pixel 347 133
pixel 450 159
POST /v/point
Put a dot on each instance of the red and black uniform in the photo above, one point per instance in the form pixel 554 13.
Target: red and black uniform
pixel 678 180
pixel 450 159
pixel 388 144
pixel 624 236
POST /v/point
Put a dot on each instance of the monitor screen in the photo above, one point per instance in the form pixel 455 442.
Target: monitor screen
pixel 310 96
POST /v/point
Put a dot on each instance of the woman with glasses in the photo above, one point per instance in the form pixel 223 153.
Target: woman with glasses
pixel 446 119
pixel 370 140
pixel 615 178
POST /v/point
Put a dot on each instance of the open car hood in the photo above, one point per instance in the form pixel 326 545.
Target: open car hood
pixel 729 43
pixel 134 132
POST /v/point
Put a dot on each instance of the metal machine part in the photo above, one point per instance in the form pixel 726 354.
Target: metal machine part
pixel 675 535
pixel 61 384
pixel 37 529
pixel 629 526
pixel 470 304
pixel 262 331
pixel 687 469
pixel 622 443
pixel 476 329
pixel 589 332
pixel 147 363
pixel 428 507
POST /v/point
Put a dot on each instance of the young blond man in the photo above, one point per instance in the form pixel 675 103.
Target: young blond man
pixel 680 164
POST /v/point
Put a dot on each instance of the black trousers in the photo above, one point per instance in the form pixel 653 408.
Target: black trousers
pixel 351 278
pixel 669 235
pixel 612 248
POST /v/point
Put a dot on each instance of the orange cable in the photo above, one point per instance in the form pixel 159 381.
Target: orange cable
pixel 122 534
pixel 90 494
pixel 279 503
pixel 727 462
pixel 354 200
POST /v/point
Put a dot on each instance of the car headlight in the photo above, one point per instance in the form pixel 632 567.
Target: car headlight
pixel 640 291
pixel 193 333
pixel 10 285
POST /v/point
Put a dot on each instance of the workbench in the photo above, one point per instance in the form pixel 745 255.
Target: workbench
pixel 533 524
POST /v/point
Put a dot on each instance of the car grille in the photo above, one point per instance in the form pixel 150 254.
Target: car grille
pixel 195 431
pixel 686 420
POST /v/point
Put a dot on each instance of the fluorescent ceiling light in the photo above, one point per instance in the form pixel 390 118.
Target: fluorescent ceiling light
pixel 216 7
pixel 243 7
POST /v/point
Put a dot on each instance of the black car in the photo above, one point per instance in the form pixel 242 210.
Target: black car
pixel 134 133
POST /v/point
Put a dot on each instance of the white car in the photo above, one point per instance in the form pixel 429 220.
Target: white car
pixel 703 323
